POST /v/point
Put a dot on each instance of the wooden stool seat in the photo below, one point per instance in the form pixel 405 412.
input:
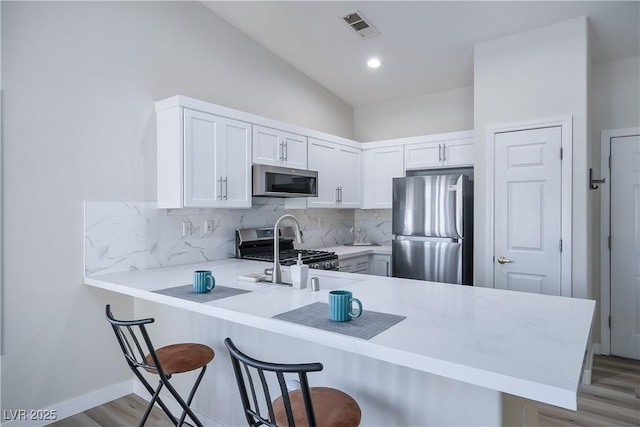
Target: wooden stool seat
pixel 178 358
pixel 332 408
pixel 325 407
pixel 140 355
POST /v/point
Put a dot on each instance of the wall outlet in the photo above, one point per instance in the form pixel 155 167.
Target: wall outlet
pixel 186 228
pixel 208 226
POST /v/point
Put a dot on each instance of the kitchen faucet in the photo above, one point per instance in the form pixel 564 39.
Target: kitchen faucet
pixel 276 276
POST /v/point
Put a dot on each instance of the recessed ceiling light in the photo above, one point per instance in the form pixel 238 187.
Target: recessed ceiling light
pixel 373 63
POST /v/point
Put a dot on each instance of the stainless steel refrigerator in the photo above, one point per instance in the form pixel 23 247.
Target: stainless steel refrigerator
pixel 432 223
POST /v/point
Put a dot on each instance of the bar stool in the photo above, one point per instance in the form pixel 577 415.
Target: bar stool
pixel 166 361
pixel 306 406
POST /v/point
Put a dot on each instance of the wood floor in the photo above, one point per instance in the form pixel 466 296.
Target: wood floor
pixel 124 412
pixel 611 400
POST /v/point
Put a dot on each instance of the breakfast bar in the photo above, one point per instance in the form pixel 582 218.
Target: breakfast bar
pixel 454 355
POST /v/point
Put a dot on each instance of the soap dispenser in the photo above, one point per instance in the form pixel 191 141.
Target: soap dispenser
pixel 299 274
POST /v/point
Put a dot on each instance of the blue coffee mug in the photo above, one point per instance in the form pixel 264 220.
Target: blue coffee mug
pixel 203 281
pixel 341 306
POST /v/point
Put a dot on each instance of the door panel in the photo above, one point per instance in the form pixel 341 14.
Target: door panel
pixel 427 260
pixel 625 247
pixel 201 141
pixel 322 158
pixel 237 164
pixel 527 210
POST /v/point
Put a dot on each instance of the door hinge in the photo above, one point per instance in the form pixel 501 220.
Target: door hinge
pixel 609 162
pixel 609 239
pixel 609 322
pixel 560 245
pixel 561 153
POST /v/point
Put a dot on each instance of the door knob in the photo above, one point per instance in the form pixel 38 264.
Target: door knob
pixel 503 260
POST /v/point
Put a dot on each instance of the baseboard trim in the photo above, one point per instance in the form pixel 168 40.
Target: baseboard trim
pixel 139 390
pixel 67 408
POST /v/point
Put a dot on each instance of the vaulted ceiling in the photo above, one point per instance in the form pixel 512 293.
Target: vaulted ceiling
pixel 424 46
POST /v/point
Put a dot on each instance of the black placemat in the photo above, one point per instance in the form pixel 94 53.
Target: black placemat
pixel 186 292
pixel 316 315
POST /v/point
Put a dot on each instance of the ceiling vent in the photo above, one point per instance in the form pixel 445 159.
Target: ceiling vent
pixel 363 28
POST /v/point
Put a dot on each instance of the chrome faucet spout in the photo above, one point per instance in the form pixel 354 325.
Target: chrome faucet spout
pixel 277 274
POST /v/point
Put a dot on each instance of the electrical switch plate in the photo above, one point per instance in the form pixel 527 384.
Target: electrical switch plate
pixel 186 228
pixel 208 226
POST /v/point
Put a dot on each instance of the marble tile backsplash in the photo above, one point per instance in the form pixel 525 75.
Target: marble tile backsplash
pixel 375 224
pixel 123 236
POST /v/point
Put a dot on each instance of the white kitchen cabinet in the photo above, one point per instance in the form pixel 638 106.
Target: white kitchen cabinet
pixel 204 160
pixel 338 170
pixel 357 264
pixel 435 154
pixel 380 166
pixel 279 148
pixel 380 265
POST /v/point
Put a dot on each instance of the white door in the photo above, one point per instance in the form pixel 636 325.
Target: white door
pixel 527 210
pixel 625 246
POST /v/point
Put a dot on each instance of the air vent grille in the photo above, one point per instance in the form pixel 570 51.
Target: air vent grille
pixel 360 24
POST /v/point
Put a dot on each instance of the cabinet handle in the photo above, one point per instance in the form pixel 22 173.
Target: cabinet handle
pixel 286 151
pixel 439 152
pixel 387 263
pixel 340 194
pixel 226 187
pixel 220 192
pixel 444 152
pixel 281 154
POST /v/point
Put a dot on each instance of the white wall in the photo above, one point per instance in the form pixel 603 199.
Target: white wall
pixel 80 81
pixel 426 114
pixel 536 75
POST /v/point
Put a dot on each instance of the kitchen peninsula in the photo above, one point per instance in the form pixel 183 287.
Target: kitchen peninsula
pixel 459 357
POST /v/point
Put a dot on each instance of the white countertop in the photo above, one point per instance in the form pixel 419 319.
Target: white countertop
pixel 523 344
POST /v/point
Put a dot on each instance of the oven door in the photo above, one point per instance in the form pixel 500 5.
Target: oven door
pixel 274 181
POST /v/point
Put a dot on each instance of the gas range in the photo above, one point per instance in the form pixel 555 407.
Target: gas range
pixel 257 244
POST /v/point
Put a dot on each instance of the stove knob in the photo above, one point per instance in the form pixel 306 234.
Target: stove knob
pixel 327 265
pixel 315 266
pixel 334 263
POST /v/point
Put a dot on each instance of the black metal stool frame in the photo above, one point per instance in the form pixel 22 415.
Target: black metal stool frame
pixel 131 353
pixel 252 413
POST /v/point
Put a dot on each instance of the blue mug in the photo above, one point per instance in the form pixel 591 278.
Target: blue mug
pixel 341 306
pixel 203 281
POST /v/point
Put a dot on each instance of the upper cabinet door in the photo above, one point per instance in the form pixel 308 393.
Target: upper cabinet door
pixel 338 169
pixel 279 148
pixel 234 163
pixel 458 153
pixel 423 156
pixel 348 172
pixel 203 186
pixel 380 166
pixel 437 154
pixel 322 158
pixel 204 160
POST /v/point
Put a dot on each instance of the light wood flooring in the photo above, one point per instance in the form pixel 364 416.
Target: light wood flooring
pixel 611 400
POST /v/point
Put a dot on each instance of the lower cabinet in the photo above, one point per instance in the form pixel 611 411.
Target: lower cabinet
pixel 375 264
pixel 380 265
pixel 357 264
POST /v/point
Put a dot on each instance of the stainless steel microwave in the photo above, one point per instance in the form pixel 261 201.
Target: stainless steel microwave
pixel 277 181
